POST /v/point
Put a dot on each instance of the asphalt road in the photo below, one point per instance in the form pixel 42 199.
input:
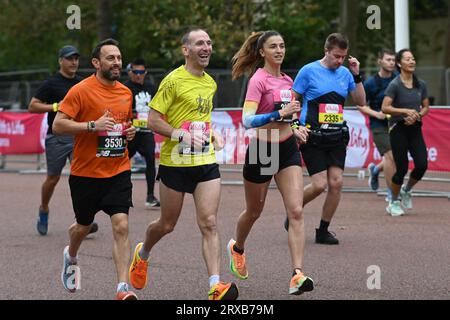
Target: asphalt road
pixel 411 254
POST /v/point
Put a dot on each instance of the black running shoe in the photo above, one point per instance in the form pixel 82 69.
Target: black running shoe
pixel 326 237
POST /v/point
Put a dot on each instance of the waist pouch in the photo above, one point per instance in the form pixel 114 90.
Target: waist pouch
pixel 330 137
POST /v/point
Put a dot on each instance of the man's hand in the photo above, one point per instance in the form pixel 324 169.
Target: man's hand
pixel 301 134
pixel 105 122
pixel 130 131
pixel 353 64
pixel 217 141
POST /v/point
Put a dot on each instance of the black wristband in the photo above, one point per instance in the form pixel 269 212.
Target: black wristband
pixel 295 124
pixel 357 78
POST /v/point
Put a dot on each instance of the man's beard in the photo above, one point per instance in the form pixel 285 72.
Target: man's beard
pixel 107 74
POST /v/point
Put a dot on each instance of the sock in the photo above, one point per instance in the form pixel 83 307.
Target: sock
pixel 122 286
pixel 236 249
pixel 323 225
pixel 295 271
pixel 375 170
pixel 143 254
pixel 389 193
pixel 213 280
pixel 70 258
pixel 407 188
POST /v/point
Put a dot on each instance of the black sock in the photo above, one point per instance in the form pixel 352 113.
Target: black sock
pixel 324 225
pixel 236 249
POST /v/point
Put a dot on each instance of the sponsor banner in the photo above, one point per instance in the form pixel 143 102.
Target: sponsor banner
pixel 361 148
pixel 22 133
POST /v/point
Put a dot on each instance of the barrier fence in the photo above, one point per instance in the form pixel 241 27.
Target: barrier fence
pixel 22 144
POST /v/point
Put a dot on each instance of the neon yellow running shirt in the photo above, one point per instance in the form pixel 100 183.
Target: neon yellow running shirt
pixel 186 101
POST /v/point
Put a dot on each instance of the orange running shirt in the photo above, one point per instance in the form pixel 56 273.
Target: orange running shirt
pixel 88 101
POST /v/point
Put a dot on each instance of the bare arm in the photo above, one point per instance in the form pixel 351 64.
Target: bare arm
pixel 37 106
pixel 425 107
pixel 371 113
pixel 387 108
pixel 63 124
pixel 359 95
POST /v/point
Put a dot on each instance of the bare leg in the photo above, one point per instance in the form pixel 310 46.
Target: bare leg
pixel 171 205
pixel 122 246
pixel 206 198
pixel 48 187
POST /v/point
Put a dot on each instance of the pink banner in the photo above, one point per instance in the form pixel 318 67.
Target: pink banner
pixel 361 149
pixel 22 133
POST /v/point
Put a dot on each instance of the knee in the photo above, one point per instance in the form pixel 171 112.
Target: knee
pixel 208 225
pixel 120 228
pixel 335 184
pixel 296 213
pixel 253 213
pixel 53 180
pixel 168 227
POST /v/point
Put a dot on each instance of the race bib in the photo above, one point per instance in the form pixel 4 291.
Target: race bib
pixel 112 143
pixel 331 113
pixel 141 120
pixel 280 99
pixel 195 128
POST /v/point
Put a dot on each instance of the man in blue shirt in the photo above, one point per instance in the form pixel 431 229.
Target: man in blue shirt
pixel 375 87
pixel 324 85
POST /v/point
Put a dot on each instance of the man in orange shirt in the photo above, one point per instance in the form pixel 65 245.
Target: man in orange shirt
pixel 98 111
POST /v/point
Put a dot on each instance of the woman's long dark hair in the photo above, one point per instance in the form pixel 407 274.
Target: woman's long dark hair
pixel 398 59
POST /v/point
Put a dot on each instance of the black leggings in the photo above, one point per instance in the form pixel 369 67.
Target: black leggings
pixel 404 139
pixel 144 143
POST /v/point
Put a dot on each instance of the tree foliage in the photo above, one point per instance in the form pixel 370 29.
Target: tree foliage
pixel 33 31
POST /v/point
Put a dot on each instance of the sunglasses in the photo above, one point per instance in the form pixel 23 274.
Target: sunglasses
pixel 139 71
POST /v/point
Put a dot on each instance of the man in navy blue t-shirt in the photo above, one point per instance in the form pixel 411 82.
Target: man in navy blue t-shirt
pixel 324 86
pixel 375 87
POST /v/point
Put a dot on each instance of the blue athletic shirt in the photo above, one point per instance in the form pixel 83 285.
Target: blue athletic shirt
pixel 324 92
pixel 375 96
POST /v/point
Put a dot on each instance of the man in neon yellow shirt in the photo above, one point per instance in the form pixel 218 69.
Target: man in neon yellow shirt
pixel 181 111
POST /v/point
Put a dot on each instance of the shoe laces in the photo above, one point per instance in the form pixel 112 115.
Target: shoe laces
pixel 240 260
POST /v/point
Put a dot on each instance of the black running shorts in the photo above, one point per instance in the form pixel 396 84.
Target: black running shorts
pixel 186 179
pixel 264 159
pixel 90 195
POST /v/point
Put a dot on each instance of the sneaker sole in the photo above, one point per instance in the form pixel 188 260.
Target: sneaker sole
pixel 149 207
pixel 130 297
pixel 131 268
pixel 394 215
pixel 307 285
pixel 235 273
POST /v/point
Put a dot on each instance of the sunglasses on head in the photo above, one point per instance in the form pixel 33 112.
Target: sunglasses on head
pixel 138 71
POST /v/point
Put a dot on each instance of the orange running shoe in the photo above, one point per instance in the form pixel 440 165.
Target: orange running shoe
pixel 138 269
pixel 223 291
pixel 237 262
pixel 126 295
pixel 300 283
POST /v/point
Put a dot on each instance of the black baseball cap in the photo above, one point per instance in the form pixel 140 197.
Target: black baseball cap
pixel 68 51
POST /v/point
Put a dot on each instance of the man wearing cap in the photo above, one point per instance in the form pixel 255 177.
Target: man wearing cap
pixel 144 142
pixel 57 148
